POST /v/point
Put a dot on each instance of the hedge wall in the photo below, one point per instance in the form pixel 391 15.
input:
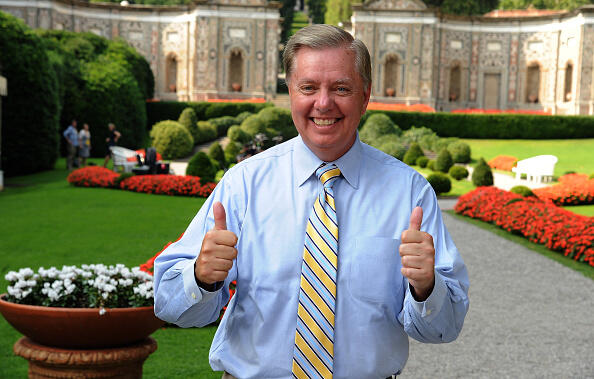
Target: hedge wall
pixel 30 111
pixel 170 110
pixel 496 126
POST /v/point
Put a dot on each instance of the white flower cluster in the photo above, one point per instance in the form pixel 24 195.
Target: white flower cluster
pixel 104 282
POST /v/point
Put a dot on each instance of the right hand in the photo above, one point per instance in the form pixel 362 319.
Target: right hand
pixel 218 250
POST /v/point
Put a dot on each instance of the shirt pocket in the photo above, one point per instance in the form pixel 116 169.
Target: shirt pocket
pixel 375 269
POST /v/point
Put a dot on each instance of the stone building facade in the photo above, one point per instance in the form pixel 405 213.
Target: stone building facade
pixel 419 56
pixel 210 49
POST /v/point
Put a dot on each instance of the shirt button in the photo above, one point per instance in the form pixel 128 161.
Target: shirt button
pixel 427 312
pixel 193 296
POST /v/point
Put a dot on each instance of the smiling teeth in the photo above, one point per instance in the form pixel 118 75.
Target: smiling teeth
pixel 320 121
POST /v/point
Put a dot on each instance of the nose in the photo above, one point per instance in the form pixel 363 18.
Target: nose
pixel 324 101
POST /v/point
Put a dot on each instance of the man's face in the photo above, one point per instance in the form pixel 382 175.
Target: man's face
pixel 327 100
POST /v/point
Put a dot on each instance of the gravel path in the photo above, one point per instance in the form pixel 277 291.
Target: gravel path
pixel 529 316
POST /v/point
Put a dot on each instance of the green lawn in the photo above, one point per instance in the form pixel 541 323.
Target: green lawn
pixel 44 221
pixel 586 210
pixel 574 154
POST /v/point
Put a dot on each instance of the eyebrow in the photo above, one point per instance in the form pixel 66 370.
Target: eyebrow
pixel 339 81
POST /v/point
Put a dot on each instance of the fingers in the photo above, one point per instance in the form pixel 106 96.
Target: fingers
pixel 416 218
pixel 220 217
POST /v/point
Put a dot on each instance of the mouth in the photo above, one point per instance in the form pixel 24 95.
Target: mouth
pixel 323 122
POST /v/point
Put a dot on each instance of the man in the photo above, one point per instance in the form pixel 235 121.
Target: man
pixel 111 140
pixel 323 236
pixel 71 136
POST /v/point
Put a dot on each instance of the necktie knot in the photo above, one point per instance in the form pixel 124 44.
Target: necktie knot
pixel 328 174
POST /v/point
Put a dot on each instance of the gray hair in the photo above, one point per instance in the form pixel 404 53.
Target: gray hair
pixel 322 36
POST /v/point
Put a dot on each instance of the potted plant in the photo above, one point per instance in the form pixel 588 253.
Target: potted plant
pixel 99 316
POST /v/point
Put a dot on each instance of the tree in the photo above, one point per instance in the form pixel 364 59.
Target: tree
pixel 317 9
pixel 543 4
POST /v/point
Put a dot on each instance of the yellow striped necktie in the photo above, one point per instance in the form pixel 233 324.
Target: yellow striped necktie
pixel 314 338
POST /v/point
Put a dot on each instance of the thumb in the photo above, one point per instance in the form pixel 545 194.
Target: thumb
pixel 220 217
pixel 416 217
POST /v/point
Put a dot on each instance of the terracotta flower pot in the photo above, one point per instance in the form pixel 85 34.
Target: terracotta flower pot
pixel 390 91
pixel 236 87
pixel 81 328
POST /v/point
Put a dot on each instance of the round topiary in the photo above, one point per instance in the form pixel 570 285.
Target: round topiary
pixel 482 174
pixel 431 164
pixel 222 124
pixel 413 153
pixel 444 161
pixel 205 132
pixel 422 161
pixel 376 126
pixel 172 140
pixel 215 152
pixel 522 190
pixel 460 152
pixel 241 117
pixel 394 149
pixel 458 172
pixel 280 120
pixel 236 134
pixel 200 165
pixel 253 125
pixel 188 119
pixel 231 150
pixel 423 136
pixel 440 182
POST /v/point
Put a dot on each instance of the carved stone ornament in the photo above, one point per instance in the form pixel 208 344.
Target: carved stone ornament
pixel 407 5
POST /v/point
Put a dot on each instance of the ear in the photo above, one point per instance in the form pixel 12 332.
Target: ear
pixel 366 94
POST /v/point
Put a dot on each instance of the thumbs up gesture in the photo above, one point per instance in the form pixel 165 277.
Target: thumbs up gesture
pixel 218 250
pixel 417 253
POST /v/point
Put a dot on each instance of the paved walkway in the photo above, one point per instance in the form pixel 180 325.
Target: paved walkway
pixel 529 316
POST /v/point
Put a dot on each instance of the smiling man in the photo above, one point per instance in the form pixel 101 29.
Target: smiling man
pixel 339 250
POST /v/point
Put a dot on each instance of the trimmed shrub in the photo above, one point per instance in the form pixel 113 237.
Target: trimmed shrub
pixel 237 134
pixel 422 161
pixel 444 161
pixel 413 153
pixel 200 165
pixel 219 176
pixel 458 172
pixel 440 182
pixel 231 150
pixel 252 126
pixel 280 120
pixel 522 190
pixel 431 164
pixel 188 119
pixel 172 140
pixel 394 149
pixel 30 112
pixel 423 136
pixel 205 132
pixel 482 174
pixel 222 124
pixel 242 116
pixel 215 152
pixel 460 152
pixel 376 126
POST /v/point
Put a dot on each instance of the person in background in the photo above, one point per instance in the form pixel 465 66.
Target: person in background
pixel 111 140
pixel 71 136
pixel 84 140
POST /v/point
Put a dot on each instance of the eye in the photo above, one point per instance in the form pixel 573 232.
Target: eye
pixel 306 88
pixel 342 90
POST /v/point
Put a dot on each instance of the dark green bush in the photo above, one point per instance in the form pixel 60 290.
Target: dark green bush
pixel 172 140
pixel 458 172
pixel 376 126
pixel 30 112
pixel 237 134
pixel 205 131
pixel 443 143
pixel 231 151
pixel 223 124
pixel 482 174
pixel 422 161
pixel 253 125
pixel 215 152
pixel 242 116
pixel 522 190
pixel 413 153
pixel 279 119
pixel 460 152
pixel 201 165
pixel 431 164
pixel 440 182
pixel 444 161
pixel 188 119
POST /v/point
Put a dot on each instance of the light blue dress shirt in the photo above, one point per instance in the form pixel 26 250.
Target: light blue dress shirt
pixel 71 134
pixel 268 199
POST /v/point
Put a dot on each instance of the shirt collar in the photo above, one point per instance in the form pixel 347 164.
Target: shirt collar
pixel 306 162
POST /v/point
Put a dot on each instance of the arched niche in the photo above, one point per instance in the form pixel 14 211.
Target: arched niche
pixel 568 83
pixel 533 83
pixel 171 73
pixel 391 75
pixel 236 70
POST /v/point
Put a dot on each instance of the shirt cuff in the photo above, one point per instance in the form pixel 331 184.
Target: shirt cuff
pixel 195 294
pixel 429 308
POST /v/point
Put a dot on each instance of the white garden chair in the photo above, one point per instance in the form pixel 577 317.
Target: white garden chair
pixel 121 158
pixel 538 169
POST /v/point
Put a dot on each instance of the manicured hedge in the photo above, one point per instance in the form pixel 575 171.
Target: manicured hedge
pixel 497 126
pixel 171 110
pixel 31 109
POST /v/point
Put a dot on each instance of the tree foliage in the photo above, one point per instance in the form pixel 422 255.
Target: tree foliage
pixel 543 4
pixel 338 11
pixel 317 9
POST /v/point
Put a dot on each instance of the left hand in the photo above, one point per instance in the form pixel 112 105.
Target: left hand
pixel 417 253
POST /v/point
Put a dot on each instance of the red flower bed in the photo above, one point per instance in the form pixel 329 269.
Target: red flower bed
pixel 540 221
pixel 168 185
pixel 92 176
pixel 503 162
pixel 496 111
pixel 400 107
pixel 572 189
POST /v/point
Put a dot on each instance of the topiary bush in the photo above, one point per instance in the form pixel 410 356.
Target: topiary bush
pixel 201 165
pixel 222 124
pixel 215 152
pixel 205 132
pixel 444 161
pixel 431 164
pixel 376 126
pixel 394 149
pixel 458 172
pixel 423 136
pixel 278 119
pixel 413 153
pixel 440 182
pixel 460 152
pixel 522 190
pixel 30 112
pixel 231 150
pixel 188 119
pixel 242 116
pixel 422 161
pixel 482 174
pixel 172 140
pixel 237 134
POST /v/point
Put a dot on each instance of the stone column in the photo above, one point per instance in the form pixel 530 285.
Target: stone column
pixel 3 92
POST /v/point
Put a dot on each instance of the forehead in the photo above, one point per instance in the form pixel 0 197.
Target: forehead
pixel 336 62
